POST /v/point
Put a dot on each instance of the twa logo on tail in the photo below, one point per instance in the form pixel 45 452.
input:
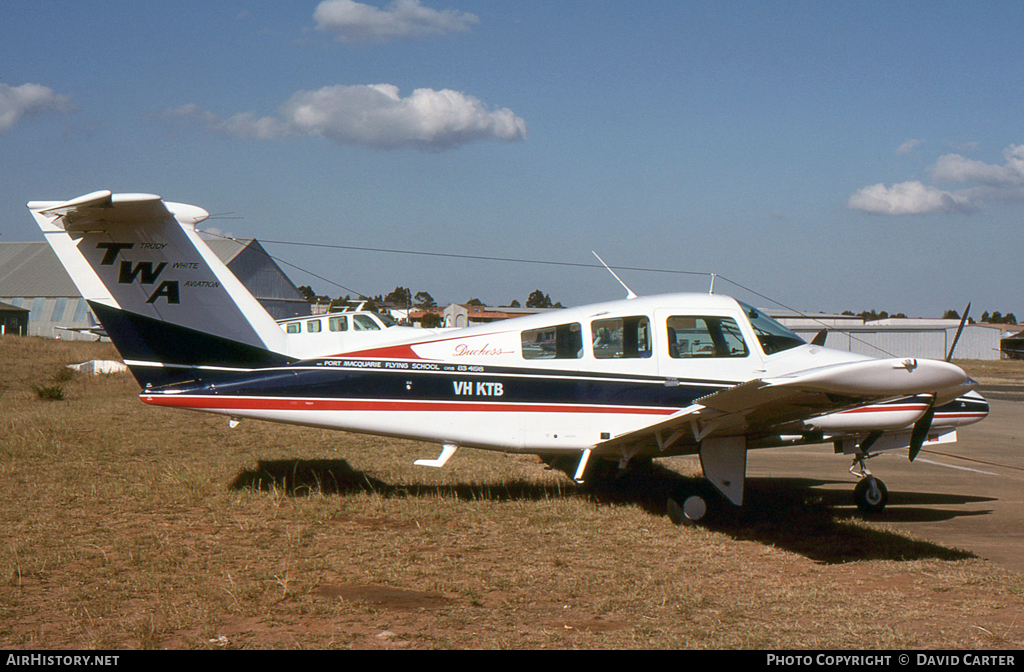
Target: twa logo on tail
pixel 142 271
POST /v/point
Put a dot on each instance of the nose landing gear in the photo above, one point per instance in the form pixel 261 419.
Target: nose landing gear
pixel 871 495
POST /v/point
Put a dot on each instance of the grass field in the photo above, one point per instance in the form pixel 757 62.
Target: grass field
pixel 129 526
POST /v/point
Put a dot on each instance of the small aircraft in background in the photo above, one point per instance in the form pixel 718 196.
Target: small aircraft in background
pixel 615 382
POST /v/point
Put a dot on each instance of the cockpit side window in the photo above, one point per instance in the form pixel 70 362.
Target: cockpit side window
pixel 621 337
pixel 339 323
pixel 773 336
pixel 704 336
pixel 563 341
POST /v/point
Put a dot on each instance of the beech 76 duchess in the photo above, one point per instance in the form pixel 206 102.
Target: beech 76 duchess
pixel 631 379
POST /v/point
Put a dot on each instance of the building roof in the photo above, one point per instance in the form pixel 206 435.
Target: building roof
pixel 32 269
pixel 6 307
pixel 227 248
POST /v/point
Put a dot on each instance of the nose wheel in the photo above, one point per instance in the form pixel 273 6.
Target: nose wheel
pixel 871 495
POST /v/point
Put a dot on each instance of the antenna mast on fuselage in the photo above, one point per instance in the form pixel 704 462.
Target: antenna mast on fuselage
pixel 629 292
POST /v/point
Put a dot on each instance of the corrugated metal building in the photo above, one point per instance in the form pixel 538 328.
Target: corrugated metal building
pixel 261 276
pixel 898 337
pixel 32 278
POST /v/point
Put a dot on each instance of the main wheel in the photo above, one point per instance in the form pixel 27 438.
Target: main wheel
pixel 871 495
pixel 693 510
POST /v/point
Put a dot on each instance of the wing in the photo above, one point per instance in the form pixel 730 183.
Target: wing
pixel 760 406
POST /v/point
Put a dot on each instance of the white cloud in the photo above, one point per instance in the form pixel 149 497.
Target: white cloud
pixel 908 198
pixel 18 102
pixel 244 126
pixel 378 117
pixel 956 168
pixel 907 147
pixel 1004 183
pixel 357 22
pixel 372 116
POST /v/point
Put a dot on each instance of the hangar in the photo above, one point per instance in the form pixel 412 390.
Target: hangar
pixel 32 279
pixel 898 337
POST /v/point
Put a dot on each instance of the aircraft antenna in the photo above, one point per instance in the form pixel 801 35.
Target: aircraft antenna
pixel 629 292
pixel 712 290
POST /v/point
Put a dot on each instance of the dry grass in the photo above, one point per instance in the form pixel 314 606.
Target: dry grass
pixel 127 526
pixel 996 372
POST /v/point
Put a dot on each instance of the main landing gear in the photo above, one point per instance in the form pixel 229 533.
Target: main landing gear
pixel 692 510
pixel 870 494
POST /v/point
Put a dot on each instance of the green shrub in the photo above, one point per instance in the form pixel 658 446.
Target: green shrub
pixel 49 392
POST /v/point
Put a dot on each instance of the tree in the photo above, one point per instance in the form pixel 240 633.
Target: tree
pixel 430 320
pixel 515 304
pixel 998 318
pixel 538 299
pixel 424 300
pixel 401 297
pixel 307 293
pixel 474 302
pixel 871 315
pixel 951 315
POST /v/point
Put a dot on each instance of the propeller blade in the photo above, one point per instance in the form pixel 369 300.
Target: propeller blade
pixel 819 338
pixel 959 330
pixel 921 428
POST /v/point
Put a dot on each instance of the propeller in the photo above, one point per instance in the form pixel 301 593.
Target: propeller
pixel 924 423
pixel 921 428
pixel 959 330
pixel 819 338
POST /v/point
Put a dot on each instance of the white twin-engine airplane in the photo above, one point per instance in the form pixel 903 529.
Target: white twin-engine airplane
pixel 633 379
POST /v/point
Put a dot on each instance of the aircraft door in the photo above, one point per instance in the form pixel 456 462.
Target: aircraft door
pixel 704 346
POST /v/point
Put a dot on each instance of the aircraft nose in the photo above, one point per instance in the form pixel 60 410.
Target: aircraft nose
pixel 972 407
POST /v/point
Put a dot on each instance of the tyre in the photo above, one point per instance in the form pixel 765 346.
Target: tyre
pixel 871 500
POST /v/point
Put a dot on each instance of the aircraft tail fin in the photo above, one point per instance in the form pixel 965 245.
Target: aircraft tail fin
pixel 168 303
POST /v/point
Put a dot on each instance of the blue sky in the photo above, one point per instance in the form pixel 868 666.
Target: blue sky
pixel 830 156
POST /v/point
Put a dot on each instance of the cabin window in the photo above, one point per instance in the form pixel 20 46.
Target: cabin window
pixel 337 323
pixel 697 336
pixel 364 323
pixel 294 327
pixel 313 326
pixel 563 341
pixel 621 338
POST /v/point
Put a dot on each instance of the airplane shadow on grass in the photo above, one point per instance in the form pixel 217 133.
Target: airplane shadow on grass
pixel 789 513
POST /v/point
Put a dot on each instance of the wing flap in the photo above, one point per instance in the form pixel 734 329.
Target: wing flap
pixel 665 427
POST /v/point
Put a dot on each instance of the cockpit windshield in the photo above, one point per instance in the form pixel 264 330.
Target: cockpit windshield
pixel 773 336
pixel 386 319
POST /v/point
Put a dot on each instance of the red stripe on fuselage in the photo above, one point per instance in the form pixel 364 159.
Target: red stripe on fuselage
pixel 290 404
